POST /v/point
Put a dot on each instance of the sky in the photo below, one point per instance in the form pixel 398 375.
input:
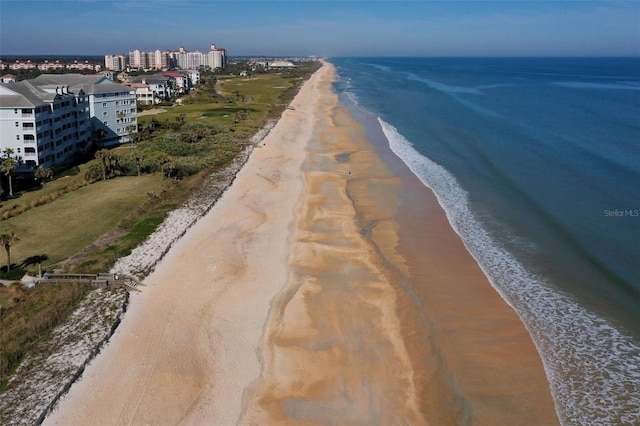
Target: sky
pixel 322 28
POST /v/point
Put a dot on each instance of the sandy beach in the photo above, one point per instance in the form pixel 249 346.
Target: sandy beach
pixel 325 287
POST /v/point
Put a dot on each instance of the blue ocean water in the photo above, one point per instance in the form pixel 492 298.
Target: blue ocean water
pixel 536 162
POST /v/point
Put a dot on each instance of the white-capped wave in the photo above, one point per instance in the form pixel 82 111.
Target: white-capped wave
pixel 607 86
pixel 593 369
pixel 443 87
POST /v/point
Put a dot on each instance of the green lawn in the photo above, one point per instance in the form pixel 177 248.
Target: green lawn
pixel 260 92
pixel 62 227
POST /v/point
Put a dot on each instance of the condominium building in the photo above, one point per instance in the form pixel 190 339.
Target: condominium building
pixel 182 82
pixel 47 120
pixel 115 62
pixel 139 60
pixel 158 60
pixel 164 60
pixel 152 89
pixel 217 57
pixel 43 125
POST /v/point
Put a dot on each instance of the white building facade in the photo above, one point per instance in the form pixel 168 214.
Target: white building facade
pixel 152 89
pixel 115 62
pixel 217 57
pixel 43 125
pixel 112 106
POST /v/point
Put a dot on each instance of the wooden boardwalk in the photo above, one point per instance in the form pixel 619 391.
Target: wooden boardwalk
pixel 103 279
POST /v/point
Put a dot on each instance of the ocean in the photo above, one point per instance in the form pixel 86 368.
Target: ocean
pixel 536 162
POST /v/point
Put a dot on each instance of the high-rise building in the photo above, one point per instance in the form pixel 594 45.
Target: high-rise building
pixel 138 59
pixel 163 60
pixel 160 60
pixel 217 57
pixel 115 62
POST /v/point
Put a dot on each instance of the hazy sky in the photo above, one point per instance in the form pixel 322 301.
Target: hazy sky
pixel 324 28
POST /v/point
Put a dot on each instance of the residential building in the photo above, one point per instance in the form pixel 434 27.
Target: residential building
pixel 43 124
pixel 217 57
pixel 165 60
pixel 48 66
pixel 22 65
pixel 139 60
pixel 115 62
pixel 83 66
pixel 194 76
pixel 112 106
pixel 159 60
pixel 181 81
pixel 152 89
pixel 280 64
pixel 8 78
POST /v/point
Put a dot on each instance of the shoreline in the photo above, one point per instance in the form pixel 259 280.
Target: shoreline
pixel 486 353
pixel 303 295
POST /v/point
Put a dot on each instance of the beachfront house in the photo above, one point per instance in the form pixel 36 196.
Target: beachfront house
pixel 152 89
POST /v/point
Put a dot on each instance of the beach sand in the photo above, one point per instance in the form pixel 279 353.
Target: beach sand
pixel 325 287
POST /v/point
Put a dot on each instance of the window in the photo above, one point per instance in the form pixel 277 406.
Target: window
pixel 106 123
pixel 29 150
pixel 18 137
pixel 17 124
pixel 105 113
pixel 104 104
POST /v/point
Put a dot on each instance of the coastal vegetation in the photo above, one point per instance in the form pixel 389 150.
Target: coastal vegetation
pixel 84 218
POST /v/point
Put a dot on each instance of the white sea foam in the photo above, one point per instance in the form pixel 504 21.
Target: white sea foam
pixel 442 86
pixel 606 86
pixel 593 369
pixel 352 97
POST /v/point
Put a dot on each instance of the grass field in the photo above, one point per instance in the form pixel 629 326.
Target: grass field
pixel 64 226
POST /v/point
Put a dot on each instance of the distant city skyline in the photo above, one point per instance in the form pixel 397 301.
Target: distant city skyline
pixel 323 28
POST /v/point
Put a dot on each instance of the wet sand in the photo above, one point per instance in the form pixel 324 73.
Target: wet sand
pixel 325 287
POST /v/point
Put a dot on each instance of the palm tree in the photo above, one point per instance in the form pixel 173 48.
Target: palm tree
pixel 7 167
pixel 133 133
pixel 155 124
pixel 166 164
pixel 43 175
pixel 103 155
pixel 6 239
pixel 138 157
pixel 8 152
